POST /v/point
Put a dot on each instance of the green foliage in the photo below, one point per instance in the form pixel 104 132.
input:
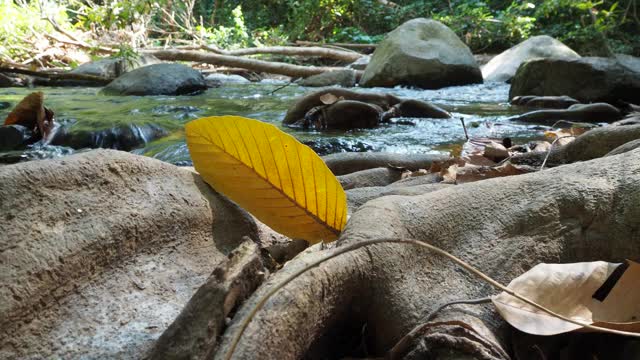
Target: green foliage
pixel 235 36
pixel 116 14
pixel 128 54
pixel 19 21
pixel 591 27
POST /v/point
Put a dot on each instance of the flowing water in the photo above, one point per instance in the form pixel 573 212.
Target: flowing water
pixel 484 108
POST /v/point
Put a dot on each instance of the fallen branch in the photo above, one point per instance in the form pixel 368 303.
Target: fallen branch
pixel 80 44
pixel 74 40
pixel 58 76
pixel 271 67
pixel 316 51
pixel 344 45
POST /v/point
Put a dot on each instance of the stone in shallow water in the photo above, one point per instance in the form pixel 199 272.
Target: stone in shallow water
pixel 158 79
pixel 14 136
pixel 122 137
pixel 589 79
pixel 180 112
pixel 330 146
pixel 345 78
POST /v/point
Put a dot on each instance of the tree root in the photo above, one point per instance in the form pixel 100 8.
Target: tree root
pixel 584 212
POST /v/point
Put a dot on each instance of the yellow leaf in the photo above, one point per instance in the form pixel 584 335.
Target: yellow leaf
pixel 570 290
pixel 280 181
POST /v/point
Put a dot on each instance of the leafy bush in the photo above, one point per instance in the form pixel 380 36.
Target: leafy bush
pixel 21 20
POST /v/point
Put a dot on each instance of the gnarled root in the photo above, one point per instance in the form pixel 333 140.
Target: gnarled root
pixel 582 212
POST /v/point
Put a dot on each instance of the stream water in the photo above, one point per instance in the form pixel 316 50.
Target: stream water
pixel 484 108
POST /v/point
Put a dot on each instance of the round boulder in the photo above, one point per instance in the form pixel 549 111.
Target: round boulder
pixel 504 66
pixel 588 79
pixel 422 53
pixel 158 79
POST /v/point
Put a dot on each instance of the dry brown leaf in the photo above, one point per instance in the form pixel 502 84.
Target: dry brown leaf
pixel 495 151
pixel 471 172
pixel 410 174
pixel 568 289
pixel 31 113
pixel 572 131
pixel 328 98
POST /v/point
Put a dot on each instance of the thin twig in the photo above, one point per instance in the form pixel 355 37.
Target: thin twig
pixel 283 86
pixel 466 135
pixel 551 148
pixel 348 248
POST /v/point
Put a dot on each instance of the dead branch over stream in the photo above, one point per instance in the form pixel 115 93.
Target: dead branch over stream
pixel 290 51
pixel 273 67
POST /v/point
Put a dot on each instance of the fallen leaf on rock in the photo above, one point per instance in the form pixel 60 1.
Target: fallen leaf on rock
pixel 495 151
pixel 587 292
pixel 282 182
pixel 409 174
pixel 328 98
pixel 32 114
pixel 471 173
pixel 572 131
pixel 474 151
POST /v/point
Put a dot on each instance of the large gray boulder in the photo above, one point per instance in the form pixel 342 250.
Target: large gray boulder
pixel 112 67
pixel 100 251
pixel 423 53
pixel 505 65
pixel 588 79
pixel 158 79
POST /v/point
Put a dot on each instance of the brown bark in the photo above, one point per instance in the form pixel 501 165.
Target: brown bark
pixel 344 45
pixel 58 76
pixel 290 51
pixel 272 67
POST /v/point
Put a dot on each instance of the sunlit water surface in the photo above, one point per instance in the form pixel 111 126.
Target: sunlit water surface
pixel 483 107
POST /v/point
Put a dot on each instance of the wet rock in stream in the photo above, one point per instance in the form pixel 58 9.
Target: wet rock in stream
pixel 122 137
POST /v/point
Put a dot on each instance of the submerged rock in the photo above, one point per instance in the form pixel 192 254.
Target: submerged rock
pixel 299 109
pixel 344 78
pixel 549 102
pixel 14 137
pixel 324 146
pixel 504 66
pixel 598 112
pixel 217 79
pixel 414 108
pixel 344 115
pixel 7 81
pixel 344 109
pixel 158 79
pixel 589 79
pixel 122 137
pixel 422 53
